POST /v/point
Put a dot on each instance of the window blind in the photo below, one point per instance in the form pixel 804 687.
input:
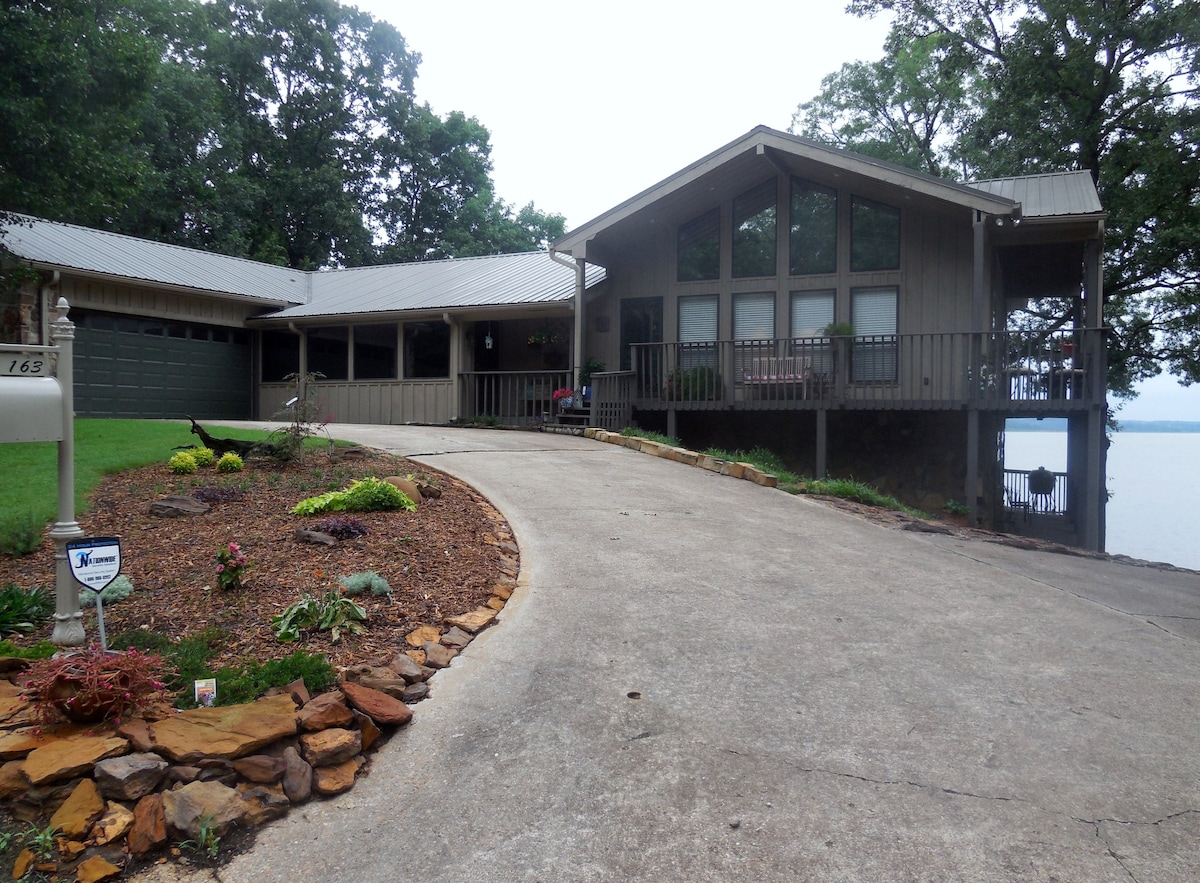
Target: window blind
pixel 698 319
pixel 754 316
pixel 811 312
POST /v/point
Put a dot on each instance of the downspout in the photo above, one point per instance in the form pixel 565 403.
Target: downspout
pixel 578 342
pixel 302 366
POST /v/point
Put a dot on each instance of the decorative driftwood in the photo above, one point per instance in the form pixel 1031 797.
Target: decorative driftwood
pixel 224 445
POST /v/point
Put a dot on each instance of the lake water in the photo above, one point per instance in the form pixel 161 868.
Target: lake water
pixel 1154 478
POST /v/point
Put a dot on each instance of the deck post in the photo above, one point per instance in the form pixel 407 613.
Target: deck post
pixel 972 480
pixel 822 463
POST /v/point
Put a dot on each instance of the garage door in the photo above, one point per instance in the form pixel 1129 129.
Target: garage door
pixel 131 367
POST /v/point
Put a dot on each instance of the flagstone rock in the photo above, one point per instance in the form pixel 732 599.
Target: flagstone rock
pixel 261 768
pixel 129 777
pixel 415 692
pixel 176 506
pixel 228 732
pixel 403 665
pixel 417 656
pixel 503 589
pixel 95 870
pixel 24 862
pixel 112 825
pixel 263 802
pixel 406 487
pixel 324 711
pixel 336 779
pixel 296 689
pixel 367 729
pixel 383 709
pixel 149 830
pixel 422 635
pixel 67 758
pixel 456 638
pixel 19 743
pixel 438 656
pixel 495 603
pixel 80 811
pixel 378 678
pixel 297 776
pixel 200 804
pixel 315 537
pixel 12 780
pixel 330 747
pixel 474 621
pixel 137 731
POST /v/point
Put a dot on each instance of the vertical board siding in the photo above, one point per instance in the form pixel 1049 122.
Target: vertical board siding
pixel 387 402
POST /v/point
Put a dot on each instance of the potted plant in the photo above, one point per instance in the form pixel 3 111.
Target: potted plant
pixel 95 684
pixel 564 398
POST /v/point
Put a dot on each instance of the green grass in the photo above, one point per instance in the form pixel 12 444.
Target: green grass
pixel 102 447
pixel 653 436
pixel 765 461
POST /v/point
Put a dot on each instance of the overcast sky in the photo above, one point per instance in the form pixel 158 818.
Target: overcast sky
pixel 588 106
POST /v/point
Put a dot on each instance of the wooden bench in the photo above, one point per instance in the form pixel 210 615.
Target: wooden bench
pixel 775 375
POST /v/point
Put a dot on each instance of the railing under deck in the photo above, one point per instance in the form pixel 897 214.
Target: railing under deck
pixel 1013 371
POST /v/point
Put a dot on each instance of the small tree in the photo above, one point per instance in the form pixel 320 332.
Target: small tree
pixel 302 414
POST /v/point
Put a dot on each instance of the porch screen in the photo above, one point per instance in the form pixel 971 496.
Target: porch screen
pixel 873 311
pixel 698 318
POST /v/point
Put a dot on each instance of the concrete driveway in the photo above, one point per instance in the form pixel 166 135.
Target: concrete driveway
pixel 702 679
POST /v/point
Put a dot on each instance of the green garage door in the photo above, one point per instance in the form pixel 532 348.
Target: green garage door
pixel 131 367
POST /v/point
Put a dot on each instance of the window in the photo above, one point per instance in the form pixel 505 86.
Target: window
pixel 874 236
pixel 873 312
pixel 699 254
pixel 814 229
pixel 754 231
pixel 641 322
pixel 812 311
pixel 280 355
pixel 329 351
pixel 426 350
pixel 375 349
pixel 698 330
pixel 754 316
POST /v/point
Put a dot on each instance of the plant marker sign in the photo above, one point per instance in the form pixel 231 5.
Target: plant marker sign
pixel 95 562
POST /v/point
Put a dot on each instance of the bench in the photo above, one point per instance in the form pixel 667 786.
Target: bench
pixel 776 374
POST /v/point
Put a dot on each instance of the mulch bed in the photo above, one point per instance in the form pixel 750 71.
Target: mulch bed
pixel 440 561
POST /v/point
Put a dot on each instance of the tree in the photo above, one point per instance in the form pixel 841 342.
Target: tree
pixel 1052 85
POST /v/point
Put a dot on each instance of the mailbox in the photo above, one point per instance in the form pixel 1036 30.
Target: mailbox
pixel 31 409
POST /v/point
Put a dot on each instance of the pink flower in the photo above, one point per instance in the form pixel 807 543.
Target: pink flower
pixel 220 567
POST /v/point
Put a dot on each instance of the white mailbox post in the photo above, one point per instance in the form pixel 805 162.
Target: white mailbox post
pixel 35 406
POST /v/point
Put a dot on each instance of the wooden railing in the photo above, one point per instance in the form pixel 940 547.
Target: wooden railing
pixel 516 398
pixel 1038 491
pixel 1023 371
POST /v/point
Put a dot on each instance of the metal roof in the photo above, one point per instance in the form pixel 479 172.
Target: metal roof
pixel 66 246
pixel 1052 195
pixel 491 280
pixel 763 139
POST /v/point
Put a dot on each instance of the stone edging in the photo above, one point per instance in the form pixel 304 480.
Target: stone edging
pixel 731 468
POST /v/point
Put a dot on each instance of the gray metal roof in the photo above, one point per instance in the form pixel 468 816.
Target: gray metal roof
pixel 1052 195
pixel 492 280
pixel 66 246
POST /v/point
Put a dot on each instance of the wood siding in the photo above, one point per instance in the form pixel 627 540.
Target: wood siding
pixel 134 300
pixel 385 402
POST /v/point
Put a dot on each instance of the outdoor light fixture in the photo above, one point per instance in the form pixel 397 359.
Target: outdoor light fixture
pixel 487 341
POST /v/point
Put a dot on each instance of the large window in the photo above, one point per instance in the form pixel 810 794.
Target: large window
pixel 874 236
pixel 754 231
pixel 814 229
pixel 699 255
pixel 375 352
pixel 873 312
pixel 754 316
pixel 426 350
pixel 329 351
pixel 698 318
pixel 812 312
pixel 280 355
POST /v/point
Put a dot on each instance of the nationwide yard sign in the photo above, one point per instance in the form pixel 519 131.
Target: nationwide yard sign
pixel 95 562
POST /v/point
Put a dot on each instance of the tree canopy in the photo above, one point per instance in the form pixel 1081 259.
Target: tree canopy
pixel 986 88
pixel 285 131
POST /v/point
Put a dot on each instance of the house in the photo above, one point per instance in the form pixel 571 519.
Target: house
pixel 165 331
pixel 859 318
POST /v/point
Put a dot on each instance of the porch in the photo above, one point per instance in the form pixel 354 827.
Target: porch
pixel 1018 373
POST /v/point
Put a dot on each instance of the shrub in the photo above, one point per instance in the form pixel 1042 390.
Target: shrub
pixel 343 527
pixel 333 613
pixel 20 534
pixel 118 590
pixel 357 583
pixel 40 650
pixel 218 494
pixel 248 681
pixel 367 495
pixel 96 684
pixel 232 564
pixel 182 463
pixel 23 610
pixel 203 456
pixel 230 462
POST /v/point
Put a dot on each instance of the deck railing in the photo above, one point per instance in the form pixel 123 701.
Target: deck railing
pixel 516 398
pixel 1038 492
pixel 1034 371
